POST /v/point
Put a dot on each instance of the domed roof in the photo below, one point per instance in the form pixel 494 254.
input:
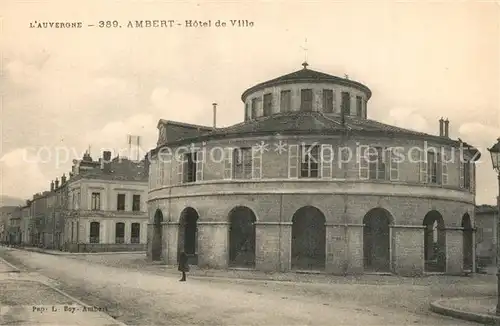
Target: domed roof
pixel 306 75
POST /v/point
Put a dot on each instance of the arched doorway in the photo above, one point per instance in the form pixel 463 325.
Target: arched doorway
pixel 434 242
pixel 188 234
pixel 308 239
pixel 377 240
pixel 242 237
pixel 157 241
pixel 467 242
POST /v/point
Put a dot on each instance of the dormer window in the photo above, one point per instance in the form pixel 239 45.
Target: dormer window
pixel 268 104
pixel 327 100
pixel 306 99
pixel 359 106
pixel 346 103
pixel 286 101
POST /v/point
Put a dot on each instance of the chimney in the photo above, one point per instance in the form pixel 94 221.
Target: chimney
pixel 441 127
pixel 52 185
pixel 57 183
pixel 215 114
pixel 71 175
pixel 106 161
pixel 446 128
pixel 63 179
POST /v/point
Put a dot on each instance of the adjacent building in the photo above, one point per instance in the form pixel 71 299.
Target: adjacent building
pixel 106 208
pixel 486 236
pixel 309 182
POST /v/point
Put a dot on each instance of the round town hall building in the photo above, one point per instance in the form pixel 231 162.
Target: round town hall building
pixel 308 183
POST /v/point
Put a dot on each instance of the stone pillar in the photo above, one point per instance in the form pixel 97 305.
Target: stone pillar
pixel 149 248
pixel 128 227
pixel 272 246
pixel 170 233
pixel 336 249
pixel 354 249
pixel 454 250
pixel 408 249
pixel 213 244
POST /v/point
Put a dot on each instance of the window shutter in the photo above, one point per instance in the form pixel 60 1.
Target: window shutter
pixel 200 161
pixel 444 169
pixel 461 173
pixel 228 163
pixel 363 163
pixel 423 166
pixel 180 168
pixel 256 163
pixel 326 158
pixel 473 178
pixel 394 165
pixel 293 161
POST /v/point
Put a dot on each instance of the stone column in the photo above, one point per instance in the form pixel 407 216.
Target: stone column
pixel 454 250
pixel 170 233
pixel 272 246
pixel 213 244
pixel 408 249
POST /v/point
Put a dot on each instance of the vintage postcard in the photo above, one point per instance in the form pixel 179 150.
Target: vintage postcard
pixel 249 162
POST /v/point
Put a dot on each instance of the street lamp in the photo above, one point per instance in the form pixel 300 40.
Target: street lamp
pixel 495 161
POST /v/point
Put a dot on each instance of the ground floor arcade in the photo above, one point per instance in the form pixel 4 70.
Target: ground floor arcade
pixel 309 242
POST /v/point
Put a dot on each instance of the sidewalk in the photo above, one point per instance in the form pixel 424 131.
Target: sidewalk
pixel 26 300
pixel 477 309
pixel 63 253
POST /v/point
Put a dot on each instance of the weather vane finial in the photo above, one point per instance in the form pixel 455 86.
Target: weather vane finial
pixel 305 64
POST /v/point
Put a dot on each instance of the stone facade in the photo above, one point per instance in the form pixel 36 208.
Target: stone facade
pixel 341 205
pixel 486 239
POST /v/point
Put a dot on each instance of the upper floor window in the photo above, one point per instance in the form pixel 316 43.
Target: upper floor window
pixel 359 106
pixel 136 203
pixel 268 104
pixel 242 163
pixel 120 232
pixel 377 160
pixel 467 174
pixel 327 100
pixel 433 168
pixel 95 204
pixel 120 202
pixel 286 101
pixel 346 103
pixel 309 161
pixel 306 100
pixel 189 168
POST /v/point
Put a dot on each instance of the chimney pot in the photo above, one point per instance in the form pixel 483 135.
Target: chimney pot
pixel 57 183
pixel 63 179
pixel 441 127
pixel 52 186
pixel 446 128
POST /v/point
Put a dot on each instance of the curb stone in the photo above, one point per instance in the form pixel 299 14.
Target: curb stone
pixel 440 308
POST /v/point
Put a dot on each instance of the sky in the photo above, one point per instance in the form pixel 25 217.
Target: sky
pixel 64 90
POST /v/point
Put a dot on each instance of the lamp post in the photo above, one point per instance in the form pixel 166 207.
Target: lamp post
pixel 495 161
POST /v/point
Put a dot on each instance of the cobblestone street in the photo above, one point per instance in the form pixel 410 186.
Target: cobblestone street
pixel 135 292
